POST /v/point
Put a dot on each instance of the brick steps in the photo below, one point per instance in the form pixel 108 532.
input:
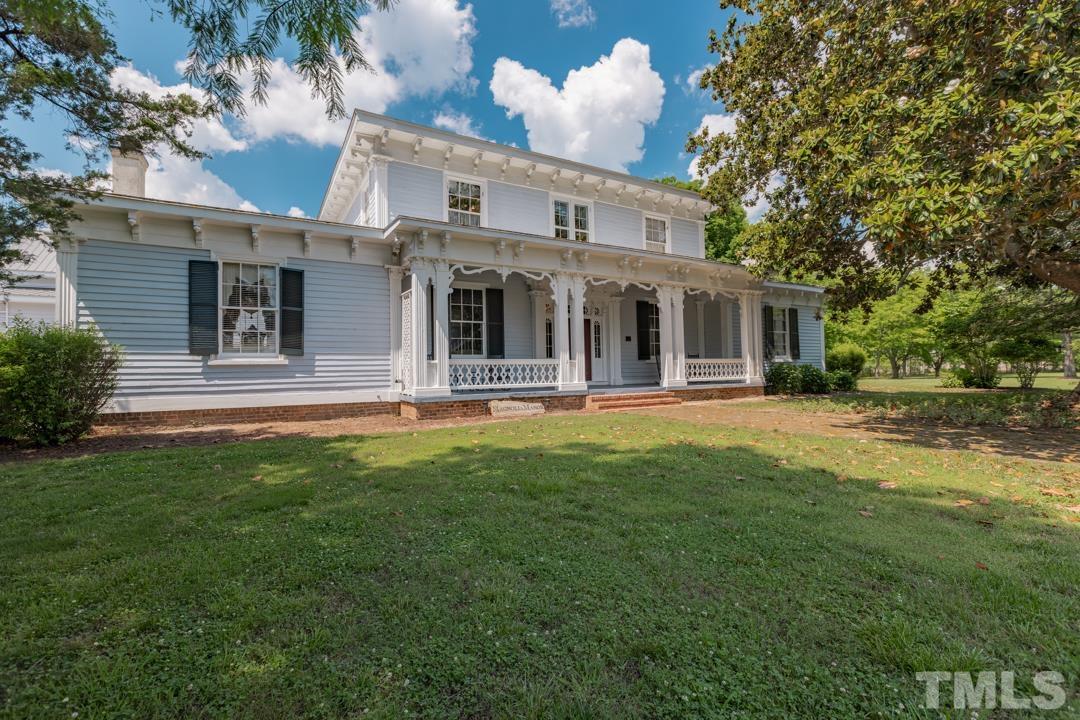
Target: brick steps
pixel 631 401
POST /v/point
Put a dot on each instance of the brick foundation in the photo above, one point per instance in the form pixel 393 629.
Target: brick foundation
pixel 440 409
pixel 718 393
pixel 458 408
pixel 277 413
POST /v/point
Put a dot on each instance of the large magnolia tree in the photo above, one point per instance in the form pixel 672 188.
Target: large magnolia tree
pixel 61 54
pixel 895 135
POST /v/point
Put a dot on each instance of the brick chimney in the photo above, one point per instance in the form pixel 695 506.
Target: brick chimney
pixel 129 173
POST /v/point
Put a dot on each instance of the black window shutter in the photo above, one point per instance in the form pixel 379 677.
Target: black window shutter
pixel 770 349
pixel 643 349
pixel 493 320
pixel 292 312
pixel 793 332
pixel 202 307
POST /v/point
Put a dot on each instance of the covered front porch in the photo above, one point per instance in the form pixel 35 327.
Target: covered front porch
pixel 475 330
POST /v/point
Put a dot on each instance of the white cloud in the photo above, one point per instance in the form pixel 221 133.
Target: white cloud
pixel 693 80
pixel 296 212
pixel 170 177
pixel 573 13
pixel 715 124
pixel 599 115
pixel 457 122
pixel 208 135
pixel 174 178
pixel 420 47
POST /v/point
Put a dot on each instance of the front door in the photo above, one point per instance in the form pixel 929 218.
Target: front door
pixel 595 367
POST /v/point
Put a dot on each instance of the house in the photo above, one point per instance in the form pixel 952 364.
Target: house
pixel 443 272
pixel 32 296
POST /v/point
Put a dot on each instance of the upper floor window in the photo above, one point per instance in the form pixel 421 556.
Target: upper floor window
pixel 463 202
pixel 249 308
pixel 571 220
pixel 656 234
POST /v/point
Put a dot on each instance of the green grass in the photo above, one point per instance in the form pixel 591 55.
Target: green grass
pixel 585 566
pixel 921 398
pixel 1044 381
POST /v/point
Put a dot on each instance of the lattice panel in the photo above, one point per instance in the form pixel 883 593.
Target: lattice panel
pixel 718 369
pixel 406 341
pixel 497 374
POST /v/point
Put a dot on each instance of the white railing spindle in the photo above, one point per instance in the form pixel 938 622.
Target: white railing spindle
pixel 498 374
pixel 704 369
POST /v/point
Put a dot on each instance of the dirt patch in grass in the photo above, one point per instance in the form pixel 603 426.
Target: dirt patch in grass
pixel 1056 445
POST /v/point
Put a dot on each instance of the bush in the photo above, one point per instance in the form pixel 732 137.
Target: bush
pixel 984 376
pixel 846 357
pixel 54 380
pixel 783 379
pixel 791 379
pixel 951 379
pixel 842 381
pixel 814 380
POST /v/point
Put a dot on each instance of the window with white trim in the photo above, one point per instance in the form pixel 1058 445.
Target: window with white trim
pixel 549 340
pixel 656 234
pixel 249 309
pixel 467 322
pixel 596 341
pixel 570 220
pixel 463 202
pixel 780 332
pixel 654 330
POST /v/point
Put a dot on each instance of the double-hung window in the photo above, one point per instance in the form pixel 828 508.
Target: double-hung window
pixel 249 312
pixel 464 202
pixel 656 234
pixel 467 322
pixel 654 330
pixel 780 332
pixel 570 220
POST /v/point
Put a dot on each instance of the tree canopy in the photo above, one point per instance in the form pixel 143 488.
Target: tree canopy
pixel 905 135
pixel 60 53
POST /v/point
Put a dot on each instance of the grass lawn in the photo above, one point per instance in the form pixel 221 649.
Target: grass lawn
pixel 921 398
pixel 574 566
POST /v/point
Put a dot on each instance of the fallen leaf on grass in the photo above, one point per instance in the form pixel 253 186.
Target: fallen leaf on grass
pixel 962 503
pixel 257 478
pixel 1073 508
pixel 866 513
pixel 887 485
pixel 1055 492
pixel 981 566
pixel 984 501
pixel 739 477
pixel 987 523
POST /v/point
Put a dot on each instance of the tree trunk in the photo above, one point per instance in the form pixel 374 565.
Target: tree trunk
pixel 938 362
pixel 1070 361
pixel 895 364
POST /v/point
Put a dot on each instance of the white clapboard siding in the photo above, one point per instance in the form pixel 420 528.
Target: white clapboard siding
pixel 810 352
pixel 736 330
pixel 517 208
pixel 717 322
pixel 617 225
pixel 137 296
pixel 415 191
pixel 685 237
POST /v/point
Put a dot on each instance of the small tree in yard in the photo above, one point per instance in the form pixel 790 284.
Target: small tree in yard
pixel 54 380
pixel 1026 356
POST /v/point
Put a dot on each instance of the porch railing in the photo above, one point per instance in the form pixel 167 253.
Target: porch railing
pixel 499 374
pixel 704 369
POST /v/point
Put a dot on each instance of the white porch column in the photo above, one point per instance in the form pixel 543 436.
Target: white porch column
pixel 441 288
pixel 394 273
pixel 678 350
pixel 560 340
pixel 663 299
pixel 67 274
pixel 615 340
pixel 539 313
pixel 419 281
pixel 700 304
pixel 577 327
pixel 750 330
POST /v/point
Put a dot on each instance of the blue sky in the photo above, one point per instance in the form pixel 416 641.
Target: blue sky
pixel 603 82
